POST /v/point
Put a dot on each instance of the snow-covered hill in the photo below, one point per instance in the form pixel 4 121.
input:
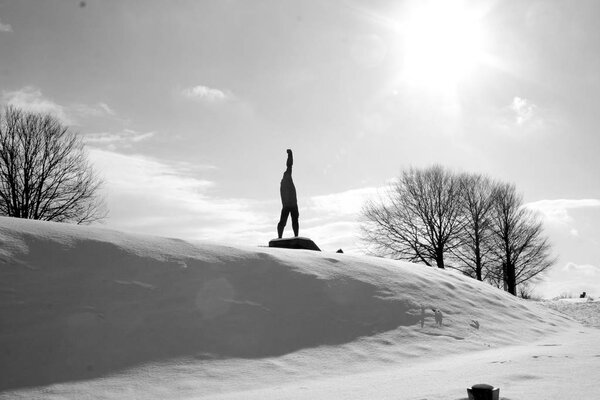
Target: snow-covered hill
pixel 99 313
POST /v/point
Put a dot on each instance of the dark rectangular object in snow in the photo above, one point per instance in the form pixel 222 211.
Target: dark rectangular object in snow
pixel 294 243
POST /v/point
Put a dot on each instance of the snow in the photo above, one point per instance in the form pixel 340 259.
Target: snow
pixel 587 311
pixel 92 313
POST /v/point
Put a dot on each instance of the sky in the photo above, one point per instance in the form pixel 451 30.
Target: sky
pixel 187 108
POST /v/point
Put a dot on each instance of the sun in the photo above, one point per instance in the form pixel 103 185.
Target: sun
pixel 442 43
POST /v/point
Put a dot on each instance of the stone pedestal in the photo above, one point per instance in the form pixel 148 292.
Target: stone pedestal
pixel 483 391
pixel 294 243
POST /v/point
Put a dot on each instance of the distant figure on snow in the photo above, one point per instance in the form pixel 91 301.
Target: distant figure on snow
pixel 438 317
pixel 288 198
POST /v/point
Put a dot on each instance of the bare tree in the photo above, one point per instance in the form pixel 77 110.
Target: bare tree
pixel 474 252
pixel 44 173
pixel 418 219
pixel 521 249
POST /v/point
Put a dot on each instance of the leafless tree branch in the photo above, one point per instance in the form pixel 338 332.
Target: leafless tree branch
pixel 44 172
pixel 418 218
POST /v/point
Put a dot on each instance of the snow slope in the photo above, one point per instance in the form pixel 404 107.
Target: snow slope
pixel 92 313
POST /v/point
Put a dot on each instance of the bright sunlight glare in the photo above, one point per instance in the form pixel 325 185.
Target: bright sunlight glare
pixel 443 43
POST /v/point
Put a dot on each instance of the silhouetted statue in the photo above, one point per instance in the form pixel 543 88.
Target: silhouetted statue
pixel 288 198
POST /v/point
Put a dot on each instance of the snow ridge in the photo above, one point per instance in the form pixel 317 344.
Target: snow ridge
pixel 85 302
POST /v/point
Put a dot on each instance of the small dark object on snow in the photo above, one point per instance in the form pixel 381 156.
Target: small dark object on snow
pixel 438 316
pixel 582 295
pixel 340 251
pixel 474 323
pixel 483 391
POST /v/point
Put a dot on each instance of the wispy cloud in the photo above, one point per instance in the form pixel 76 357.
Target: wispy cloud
pixel 31 98
pixel 584 269
pixel 95 110
pixel 5 27
pixel 574 232
pixel 570 278
pixel 557 211
pixel 334 218
pixel 347 203
pixel 125 138
pixel 207 94
pixel 331 236
pixel 151 196
pixel 524 110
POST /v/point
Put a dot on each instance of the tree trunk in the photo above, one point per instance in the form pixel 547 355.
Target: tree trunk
pixel 478 263
pixel 511 280
pixel 439 259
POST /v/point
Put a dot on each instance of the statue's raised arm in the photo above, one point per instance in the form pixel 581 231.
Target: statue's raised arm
pixel 290 160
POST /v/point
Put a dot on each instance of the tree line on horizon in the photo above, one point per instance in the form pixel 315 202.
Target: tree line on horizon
pixel 464 221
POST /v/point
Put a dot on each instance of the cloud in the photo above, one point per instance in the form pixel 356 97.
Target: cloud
pixel 5 27
pixel 147 195
pixel 106 108
pixel 525 110
pixel 96 110
pixel 334 219
pixel 113 140
pixel 330 236
pixel 31 98
pixel 557 211
pixel 571 278
pixel 348 203
pixel 584 269
pixel 207 94
pixel 574 232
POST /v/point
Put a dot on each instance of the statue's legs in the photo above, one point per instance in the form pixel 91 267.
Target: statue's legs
pixel 295 214
pixel 285 212
pixel 282 221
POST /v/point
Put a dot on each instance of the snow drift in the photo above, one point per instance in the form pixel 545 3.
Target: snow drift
pixel 80 303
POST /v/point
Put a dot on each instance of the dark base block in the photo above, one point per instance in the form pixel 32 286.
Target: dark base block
pixel 294 243
pixel 483 392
